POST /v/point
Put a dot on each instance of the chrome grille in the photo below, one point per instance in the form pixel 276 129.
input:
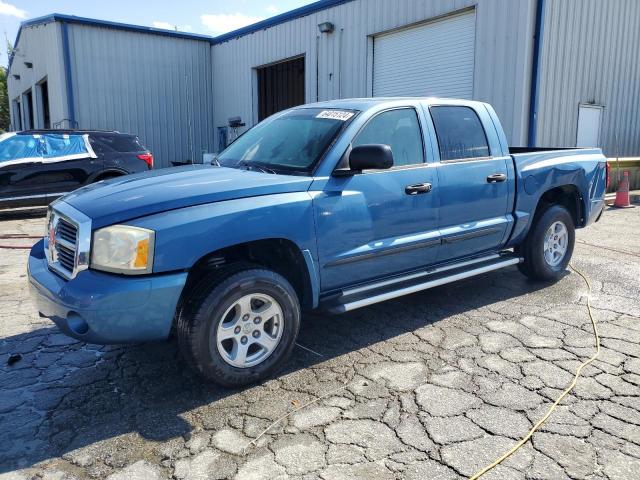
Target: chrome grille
pixel 66 257
pixel 67 240
pixel 67 232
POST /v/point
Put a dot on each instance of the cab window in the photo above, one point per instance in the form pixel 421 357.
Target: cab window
pixel 400 129
pixel 460 133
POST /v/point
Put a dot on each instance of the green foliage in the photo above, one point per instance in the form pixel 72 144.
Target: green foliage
pixel 5 120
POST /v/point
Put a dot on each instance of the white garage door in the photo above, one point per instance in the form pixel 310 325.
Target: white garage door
pixel 435 59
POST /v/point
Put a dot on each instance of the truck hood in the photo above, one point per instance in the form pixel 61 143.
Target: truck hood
pixel 147 193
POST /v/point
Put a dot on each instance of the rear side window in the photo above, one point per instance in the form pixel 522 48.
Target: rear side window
pixel 400 130
pixel 57 146
pixel 116 144
pixel 460 133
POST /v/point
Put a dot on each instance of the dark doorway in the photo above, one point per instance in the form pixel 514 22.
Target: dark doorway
pixel 17 115
pixel 28 96
pixel 44 97
pixel 280 86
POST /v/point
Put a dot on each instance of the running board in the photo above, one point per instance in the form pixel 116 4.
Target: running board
pixel 355 298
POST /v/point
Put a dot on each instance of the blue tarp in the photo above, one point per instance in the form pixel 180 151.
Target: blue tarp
pixel 64 145
pixel 19 148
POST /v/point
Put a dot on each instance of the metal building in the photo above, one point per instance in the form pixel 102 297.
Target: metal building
pixel 558 72
pixel 70 72
pixel 590 75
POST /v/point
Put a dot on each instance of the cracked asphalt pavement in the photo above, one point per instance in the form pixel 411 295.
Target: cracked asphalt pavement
pixel 437 385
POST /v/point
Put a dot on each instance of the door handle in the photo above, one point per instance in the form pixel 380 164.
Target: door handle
pixel 496 178
pixel 417 189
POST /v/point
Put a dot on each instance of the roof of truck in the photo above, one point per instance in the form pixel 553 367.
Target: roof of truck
pixel 367 103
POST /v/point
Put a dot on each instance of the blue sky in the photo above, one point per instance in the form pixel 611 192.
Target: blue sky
pixel 211 17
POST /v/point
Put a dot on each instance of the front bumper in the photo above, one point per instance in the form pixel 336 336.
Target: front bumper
pixel 103 308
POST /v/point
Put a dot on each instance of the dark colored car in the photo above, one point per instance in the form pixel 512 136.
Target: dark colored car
pixel 38 166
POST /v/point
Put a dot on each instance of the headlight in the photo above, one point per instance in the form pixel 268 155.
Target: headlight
pixel 123 249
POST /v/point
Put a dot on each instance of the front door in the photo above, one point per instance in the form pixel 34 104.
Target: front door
pixel 375 224
pixel 68 164
pixel 473 183
pixel 20 162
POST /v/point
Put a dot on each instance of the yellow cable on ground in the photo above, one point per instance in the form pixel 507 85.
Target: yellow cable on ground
pixel 564 394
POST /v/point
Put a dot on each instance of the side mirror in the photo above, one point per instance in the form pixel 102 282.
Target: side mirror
pixel 371 157
pixel 365 157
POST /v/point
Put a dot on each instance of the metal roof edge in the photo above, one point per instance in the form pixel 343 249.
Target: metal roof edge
pixel 256 27
pixel 278 19
pixel 60 17
pixel 117 26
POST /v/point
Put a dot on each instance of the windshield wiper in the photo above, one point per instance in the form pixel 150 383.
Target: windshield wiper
pixel 253 165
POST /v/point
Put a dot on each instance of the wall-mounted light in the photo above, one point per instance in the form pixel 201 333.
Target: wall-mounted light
pixel 236 122
pixel 326 27
pixel 28 64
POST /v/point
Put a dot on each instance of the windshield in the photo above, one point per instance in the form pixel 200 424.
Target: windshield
pixel 290 142
pixel 19 147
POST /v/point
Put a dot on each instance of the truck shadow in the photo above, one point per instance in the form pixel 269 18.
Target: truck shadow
pixel 62 395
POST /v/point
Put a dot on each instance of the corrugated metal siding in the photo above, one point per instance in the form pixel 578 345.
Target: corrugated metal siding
pixel 502 59
pixel 155 86
pixel 590 54
pixel 40 45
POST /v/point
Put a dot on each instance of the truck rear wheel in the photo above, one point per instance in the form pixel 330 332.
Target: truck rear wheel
pixel 239 328
pixel 549 245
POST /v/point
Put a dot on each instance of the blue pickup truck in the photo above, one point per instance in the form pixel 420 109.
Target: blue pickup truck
pixel 331 206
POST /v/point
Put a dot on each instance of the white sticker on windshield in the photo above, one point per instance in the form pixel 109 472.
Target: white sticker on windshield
pixel 335 115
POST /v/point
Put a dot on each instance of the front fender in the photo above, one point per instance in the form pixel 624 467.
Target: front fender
pixel 185 235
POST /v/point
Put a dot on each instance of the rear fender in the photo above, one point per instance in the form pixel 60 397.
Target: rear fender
pixel 110 172
pixel 538 173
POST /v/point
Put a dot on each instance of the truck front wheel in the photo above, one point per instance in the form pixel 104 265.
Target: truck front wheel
pixel 239 328
pixel 549 245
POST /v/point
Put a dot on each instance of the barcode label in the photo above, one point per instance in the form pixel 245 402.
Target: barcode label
pixel 335 115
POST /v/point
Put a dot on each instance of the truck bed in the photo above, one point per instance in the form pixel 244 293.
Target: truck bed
pixel 517 150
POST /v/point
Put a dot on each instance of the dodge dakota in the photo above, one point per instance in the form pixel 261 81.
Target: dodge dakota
pixel 333 206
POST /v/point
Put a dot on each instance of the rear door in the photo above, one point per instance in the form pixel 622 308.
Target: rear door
pixel 473 181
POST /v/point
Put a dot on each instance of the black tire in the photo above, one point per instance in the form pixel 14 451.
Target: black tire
pixel 203 311
pixel 535 266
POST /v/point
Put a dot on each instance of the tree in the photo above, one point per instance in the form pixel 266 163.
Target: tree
pixel 5 119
